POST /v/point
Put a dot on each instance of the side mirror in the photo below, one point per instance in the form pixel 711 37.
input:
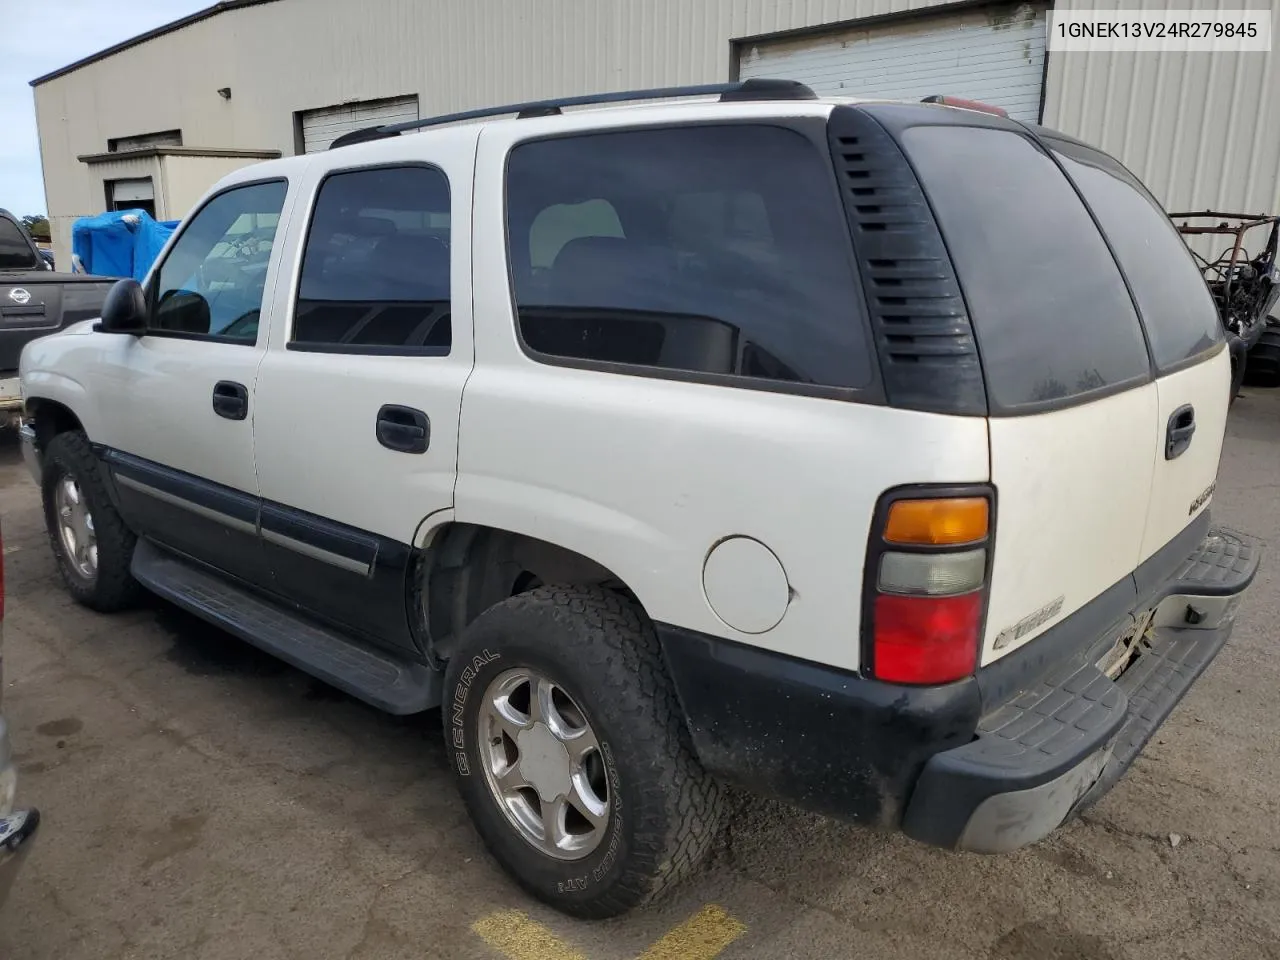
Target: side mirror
pixel 125 309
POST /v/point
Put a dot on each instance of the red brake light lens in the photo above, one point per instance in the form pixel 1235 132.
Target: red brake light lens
pixel 926 639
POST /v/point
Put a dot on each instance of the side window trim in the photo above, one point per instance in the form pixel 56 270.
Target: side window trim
pixel 352 349
pixel 814 132
pixel 153 275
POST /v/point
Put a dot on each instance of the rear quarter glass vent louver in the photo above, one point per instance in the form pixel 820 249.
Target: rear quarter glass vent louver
pixel 925 342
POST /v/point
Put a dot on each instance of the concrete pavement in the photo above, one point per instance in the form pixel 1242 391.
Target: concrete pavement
pixel 202 800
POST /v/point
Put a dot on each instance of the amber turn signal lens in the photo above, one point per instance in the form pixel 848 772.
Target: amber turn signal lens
pixel 950 520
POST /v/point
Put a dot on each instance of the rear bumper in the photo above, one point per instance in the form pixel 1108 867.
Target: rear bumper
pixel 988 764
pixel 1057 749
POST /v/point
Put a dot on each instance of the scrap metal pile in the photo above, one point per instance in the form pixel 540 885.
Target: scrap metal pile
pixel 1245 287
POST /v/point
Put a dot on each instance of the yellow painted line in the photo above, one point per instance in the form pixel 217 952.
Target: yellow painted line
pixel 701 937
pixel 517 937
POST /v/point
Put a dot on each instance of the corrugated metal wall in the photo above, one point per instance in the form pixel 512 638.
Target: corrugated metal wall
pixel 1201 129
pixel 293 55
pixel 1186 122
pixel 109 170
pixel 186 178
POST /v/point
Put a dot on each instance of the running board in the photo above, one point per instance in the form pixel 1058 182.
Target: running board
pixel 378 678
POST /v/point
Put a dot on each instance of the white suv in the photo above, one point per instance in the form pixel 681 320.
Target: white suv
pixel 858 453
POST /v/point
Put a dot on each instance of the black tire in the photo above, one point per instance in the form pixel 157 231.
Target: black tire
pixel 113 588
pixel 1263 366
pixel 601 650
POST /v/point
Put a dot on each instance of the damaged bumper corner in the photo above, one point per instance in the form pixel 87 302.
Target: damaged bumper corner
pixel 1057 748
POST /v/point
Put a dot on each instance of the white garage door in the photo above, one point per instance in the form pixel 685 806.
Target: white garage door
pixel 321 127
pixel 994 55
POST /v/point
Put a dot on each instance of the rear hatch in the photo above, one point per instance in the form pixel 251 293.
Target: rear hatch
pixel 1105 372
pixel 1193 371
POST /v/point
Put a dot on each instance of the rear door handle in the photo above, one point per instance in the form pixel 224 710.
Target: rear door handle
pixel 403 429
pixel 1182 424
pixel 231 399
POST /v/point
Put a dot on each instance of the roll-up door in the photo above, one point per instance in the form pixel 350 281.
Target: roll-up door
pixel 992 54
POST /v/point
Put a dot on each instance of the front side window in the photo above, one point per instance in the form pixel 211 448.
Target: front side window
pixel 15 252
pixel 375 268
pixel 705 249
pixel 213 280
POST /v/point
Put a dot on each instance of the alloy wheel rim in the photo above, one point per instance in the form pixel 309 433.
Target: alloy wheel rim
pixel 75 528
pixel 543 764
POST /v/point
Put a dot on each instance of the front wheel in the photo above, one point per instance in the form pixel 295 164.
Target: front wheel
pixel 571 754
pixel 91 543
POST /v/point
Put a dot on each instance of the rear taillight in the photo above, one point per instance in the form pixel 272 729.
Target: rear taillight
pixel 927 569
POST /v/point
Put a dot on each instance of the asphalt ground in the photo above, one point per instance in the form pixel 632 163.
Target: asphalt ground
pixel 202 800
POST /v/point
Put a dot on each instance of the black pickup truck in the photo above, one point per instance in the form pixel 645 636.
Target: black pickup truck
pixel 34 301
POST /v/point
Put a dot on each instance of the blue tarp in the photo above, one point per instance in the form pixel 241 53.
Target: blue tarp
pixel 121 243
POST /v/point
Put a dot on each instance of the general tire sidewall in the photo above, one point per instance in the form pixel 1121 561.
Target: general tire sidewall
pixel 566 881
pixel 55 469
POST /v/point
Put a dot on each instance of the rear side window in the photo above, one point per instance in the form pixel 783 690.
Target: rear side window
pixel 1177 308
pixel 15 252
pixel 712 250
pixel 1053 318
pixel 375 268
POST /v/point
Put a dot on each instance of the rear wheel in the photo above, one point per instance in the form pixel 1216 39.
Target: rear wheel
pixel 90 541
pixel 571 754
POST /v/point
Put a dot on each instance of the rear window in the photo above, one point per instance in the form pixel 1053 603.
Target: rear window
pixel 713 249
pixel 1177 308
pixel 1053 318
pixel 15 252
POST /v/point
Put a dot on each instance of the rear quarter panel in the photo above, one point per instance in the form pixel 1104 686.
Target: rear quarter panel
pixel 646 475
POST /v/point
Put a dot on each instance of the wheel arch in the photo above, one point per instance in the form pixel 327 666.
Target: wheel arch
pixel 49 418
pixel 466 568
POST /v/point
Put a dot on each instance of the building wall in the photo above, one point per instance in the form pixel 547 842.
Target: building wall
pixel 291 55
pixel 124 169
pixel 1202 130
pixel 186 179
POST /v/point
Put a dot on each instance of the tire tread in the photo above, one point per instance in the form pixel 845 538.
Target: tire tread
pixel 114 589
pixel 609 635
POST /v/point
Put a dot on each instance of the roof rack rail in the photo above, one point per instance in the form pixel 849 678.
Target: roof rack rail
pixel 363 135
pixel 755 89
